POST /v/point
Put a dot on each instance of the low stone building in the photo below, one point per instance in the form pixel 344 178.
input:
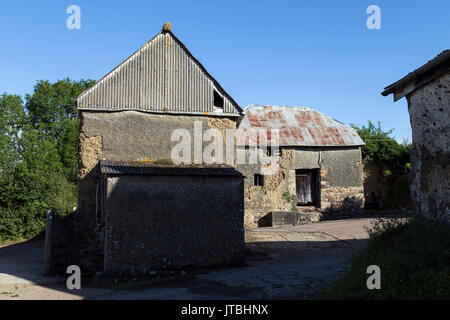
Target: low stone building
pixel 319 170
pixel 427 91
pixel 131 114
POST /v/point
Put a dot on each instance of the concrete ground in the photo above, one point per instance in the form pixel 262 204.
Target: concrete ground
pixel 282 262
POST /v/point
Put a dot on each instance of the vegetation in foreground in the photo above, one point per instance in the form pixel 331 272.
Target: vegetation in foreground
pixel 414 258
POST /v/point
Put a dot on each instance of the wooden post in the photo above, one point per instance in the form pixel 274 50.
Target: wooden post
pixel 48 248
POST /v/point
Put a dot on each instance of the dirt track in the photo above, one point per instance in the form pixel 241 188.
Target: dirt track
pixel 282 262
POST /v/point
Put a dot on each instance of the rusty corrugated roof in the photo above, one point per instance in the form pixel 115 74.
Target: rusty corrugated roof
pixel 298 126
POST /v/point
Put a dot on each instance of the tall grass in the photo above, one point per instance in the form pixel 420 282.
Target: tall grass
pixel 414 258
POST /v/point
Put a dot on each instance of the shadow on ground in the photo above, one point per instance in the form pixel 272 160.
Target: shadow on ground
pixel 288 262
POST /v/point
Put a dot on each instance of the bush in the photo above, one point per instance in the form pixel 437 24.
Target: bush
pixel 414 258
pixel 391 158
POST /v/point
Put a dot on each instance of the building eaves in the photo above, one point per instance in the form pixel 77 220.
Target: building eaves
pixel 420 77
pixel 127 167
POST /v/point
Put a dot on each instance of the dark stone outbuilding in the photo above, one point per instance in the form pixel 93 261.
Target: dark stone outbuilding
pixel 159 217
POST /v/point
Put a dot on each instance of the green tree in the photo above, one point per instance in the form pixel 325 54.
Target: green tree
pixel 53 111
pixel 12 120
pixel 38 156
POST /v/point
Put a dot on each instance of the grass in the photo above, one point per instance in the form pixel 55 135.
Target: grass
pixel 414 258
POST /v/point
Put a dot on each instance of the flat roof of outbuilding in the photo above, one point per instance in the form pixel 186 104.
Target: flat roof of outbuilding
pixel 148 167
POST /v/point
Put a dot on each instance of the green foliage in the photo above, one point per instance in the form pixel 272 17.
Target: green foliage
pixel 53 111
pixel 381 148
pixel 291 199
pixel 391 157
pixel 414 259
pixel 38 156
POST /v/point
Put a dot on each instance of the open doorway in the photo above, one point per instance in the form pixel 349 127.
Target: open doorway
pixel 307 186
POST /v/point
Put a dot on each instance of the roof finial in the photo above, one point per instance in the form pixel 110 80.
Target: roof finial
pixel 167 27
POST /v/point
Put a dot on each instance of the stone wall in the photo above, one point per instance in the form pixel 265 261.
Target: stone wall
pixel 376 187
pixel 260 200
pixel 172 222
pixel 429 110
pixel 341 185
pixel 125 135
pixel 341 178
pixel 349 199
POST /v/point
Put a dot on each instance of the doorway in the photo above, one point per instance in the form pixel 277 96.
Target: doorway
pixel 307 187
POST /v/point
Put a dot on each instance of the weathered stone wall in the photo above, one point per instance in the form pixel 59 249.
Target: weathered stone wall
pixel 376 188
pixel 341 178
pixel 126 135
pixel 429 110
pixel 170 222
pixel 341 181
pixel 260 200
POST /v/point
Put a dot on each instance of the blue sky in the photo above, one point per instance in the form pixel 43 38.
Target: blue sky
pixel 318 54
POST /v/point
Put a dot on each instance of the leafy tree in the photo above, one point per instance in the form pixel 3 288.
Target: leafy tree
pixel 12 119
pixel 38 156
pixel 53 103
pixel 53 112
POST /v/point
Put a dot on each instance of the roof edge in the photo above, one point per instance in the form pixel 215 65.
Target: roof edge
pixel 428 72
pixel 214 114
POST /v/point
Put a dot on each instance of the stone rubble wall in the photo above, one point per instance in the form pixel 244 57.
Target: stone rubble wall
pixel 260 200
pixel 337 198
pixel 429 110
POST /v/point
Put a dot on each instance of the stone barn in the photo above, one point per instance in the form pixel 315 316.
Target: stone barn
pixel 130 115
pixel 320 168
pixel 427 91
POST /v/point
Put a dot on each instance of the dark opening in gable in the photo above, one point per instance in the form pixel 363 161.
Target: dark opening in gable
pixel 218 100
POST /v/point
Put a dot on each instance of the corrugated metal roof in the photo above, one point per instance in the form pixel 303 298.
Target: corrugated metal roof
pixel 298 126
pixel 123 167
pixel 162 76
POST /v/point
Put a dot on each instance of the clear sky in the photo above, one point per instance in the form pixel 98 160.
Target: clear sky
pixel 317 54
